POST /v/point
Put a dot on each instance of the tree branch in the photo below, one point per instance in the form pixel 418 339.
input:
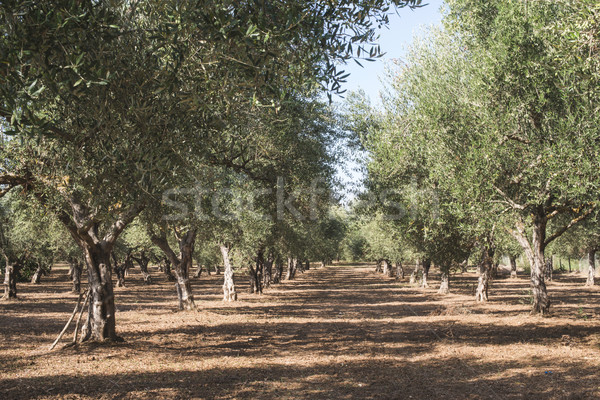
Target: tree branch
pixel 573 222
pixel 512 203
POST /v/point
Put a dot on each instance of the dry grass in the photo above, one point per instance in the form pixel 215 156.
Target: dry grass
pixel 341 332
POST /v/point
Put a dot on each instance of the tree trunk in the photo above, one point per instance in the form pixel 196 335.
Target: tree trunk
pixel 379 266
pixel 534 252
pixel 278 270
pixel 120 269
pixel 291 270
pixel 513 266
pixel 414 277
pixel 100 323
pixel 426 267
pixel 198 272
pixel 143 262
pixel 268 271
pixel 549 268
pixel 399 270
pixel 485 269
pixel 307 265
pixel 167 269
pixel 494 270
pixel 182 270
pixel 445 281
pixel 182 265
pixel 10 279
pixel 229 293
pixel 387 268
pixel 592 269
pixel 43 268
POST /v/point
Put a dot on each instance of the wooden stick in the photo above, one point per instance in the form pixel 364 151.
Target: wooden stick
pixel 67 325
pixel 87 294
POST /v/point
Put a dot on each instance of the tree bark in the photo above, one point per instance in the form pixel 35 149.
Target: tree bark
pixel 11 271
pixel 549 268
pixel 100 323
pixel 229 293
pixel 534 252
pixel 445 281
pixel 76 268
pixel 307 265
pixel 592 268
pixel 414 276
pixel 166 268
pixel 182 265
pixel 143 262
pixel 399 270
pixel 379 266
pixel 387 268
pixel 426 267
pixel 120 269
pixel 485 269
pixel 513 266
pixel 278 270
pixel 268 271
pixel 39 271
pixel 291 270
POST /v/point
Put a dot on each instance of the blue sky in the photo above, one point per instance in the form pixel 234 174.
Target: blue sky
pixel 394 41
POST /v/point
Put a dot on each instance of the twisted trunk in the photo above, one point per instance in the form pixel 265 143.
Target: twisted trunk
pixel 268 271
pixel 426 267
pixel 291 270
pixel 120 270
pixel 399 270
pixel 513 266
pixel 534 251
pixel 143 262
pixel 182 265
pixel 166 268
pixel 229 293
pixel 11 270
pixel 445 281
pixel 278 270
pixel 592 269
pixel 101 322
pixel 387 268
pixel 414 276
pixel 485 268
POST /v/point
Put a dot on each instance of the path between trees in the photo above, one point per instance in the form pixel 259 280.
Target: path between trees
pixel 334 332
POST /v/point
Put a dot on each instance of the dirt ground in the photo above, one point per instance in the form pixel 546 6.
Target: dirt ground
pixel 339 332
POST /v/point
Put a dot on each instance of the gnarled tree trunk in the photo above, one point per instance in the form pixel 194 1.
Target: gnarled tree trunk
pixel 426 267
pixel 414 276
pixel 42 269
pixel 143 262
pixel 445 280
pixel 485 269
pixel 399 270
pixel 549 268
pixel 76 268
pixel 592 268
pixel 11 271
pixel 534 252
pixel 513 266
pixel 278 270
pixel 120 269
pixel 182 265
pixel 229 293
pixel 291 270
pixel 268 271
pixel 387 268
pixel 100 323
